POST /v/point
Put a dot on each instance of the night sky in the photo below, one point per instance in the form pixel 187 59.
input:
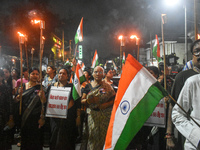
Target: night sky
pixel 105 20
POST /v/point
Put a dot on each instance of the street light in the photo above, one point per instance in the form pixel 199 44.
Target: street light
pixel 171 2
pixel 121 38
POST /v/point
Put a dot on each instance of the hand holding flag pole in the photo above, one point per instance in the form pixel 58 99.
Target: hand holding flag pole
pixel 188 115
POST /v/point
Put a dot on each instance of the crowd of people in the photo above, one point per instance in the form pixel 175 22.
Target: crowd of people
pixel 23 104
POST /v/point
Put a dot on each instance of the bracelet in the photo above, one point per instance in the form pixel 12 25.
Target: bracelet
pixel 88 102
pixel 169 135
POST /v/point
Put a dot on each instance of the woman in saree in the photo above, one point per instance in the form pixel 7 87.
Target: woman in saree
pixel 6 114
pixel 64 131
pixel 98 98
pixel 32 112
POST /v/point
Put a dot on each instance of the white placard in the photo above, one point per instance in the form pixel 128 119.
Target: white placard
pixel 158 116
pixel 58 102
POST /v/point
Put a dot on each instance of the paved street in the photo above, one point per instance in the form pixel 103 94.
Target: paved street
pixel 14 147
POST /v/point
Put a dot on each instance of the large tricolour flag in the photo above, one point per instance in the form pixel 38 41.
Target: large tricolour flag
pixel 137 96
pixel 79 33
pixel 156 49
pixel 95 61
pixel 78 79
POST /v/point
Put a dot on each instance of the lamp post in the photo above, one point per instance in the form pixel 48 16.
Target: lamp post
pixel 173 2
pixel 121 38
pixel 195 20
pixel 21 41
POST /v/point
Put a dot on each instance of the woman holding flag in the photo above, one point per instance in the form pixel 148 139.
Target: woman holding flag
pixel 98 97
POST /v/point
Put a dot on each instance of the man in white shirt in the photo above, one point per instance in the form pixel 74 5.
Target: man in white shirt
pixel 189 101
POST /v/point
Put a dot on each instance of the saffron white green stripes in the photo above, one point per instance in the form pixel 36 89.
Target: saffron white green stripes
pixel 137 96
pixel 95 60
pixel 156 49
pixel 78 79
pixel 79 33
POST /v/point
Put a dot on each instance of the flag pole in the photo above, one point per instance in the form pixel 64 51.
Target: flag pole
pixel 163 43
pixel 75 51
pixel 188 115
pixel 151 49
pixel 63 46
pixel 74 59
pixel 138 52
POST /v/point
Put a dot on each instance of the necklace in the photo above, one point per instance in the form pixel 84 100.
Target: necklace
pixel 30 85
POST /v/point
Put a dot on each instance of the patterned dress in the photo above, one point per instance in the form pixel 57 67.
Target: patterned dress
pixel 98 119
pixel 48 81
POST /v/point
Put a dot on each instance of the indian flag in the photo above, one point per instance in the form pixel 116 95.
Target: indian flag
pixel 79 33
pixel 95 61
pixel 78 79
pixel 156 50
pixel 67 62
pixel 137 96
pixel 124 57
pixel 83 66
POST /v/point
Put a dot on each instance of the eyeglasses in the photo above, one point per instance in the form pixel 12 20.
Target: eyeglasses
pixel 100 72
pixel 196 52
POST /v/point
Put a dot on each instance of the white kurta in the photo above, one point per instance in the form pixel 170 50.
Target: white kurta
pixel 189 99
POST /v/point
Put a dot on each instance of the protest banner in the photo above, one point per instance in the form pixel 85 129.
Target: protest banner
pixel 58 102
pixel 158 116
